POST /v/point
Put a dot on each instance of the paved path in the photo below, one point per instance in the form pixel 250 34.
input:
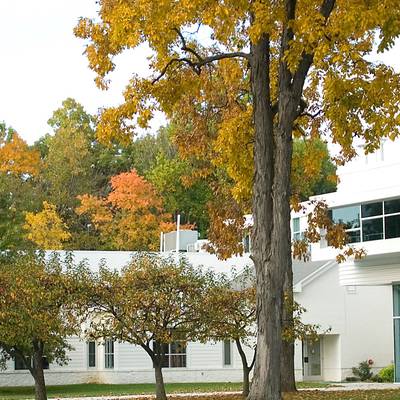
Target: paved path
pixel 361 386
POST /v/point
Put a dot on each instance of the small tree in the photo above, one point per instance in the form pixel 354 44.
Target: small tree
pixel 153 301
pixel 38 311
pixel 232 316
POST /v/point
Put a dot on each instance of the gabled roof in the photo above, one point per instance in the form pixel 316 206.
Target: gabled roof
pixel 305 272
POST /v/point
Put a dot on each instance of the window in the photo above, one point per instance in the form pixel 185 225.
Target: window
pixel 109 354
pixel 369 221
pixel 349 217
pixel 20 366
pixel 296 233
pixel 247 243
pixel 174 354
pixel 227 350
pixel 91 354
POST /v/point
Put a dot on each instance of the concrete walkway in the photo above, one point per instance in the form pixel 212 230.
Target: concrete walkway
pixel 332 388
pixel 360 386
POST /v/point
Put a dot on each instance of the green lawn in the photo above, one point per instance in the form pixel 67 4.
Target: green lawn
pixel 104 390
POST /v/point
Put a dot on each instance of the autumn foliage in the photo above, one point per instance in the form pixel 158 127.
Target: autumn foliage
pixel 16 157
pixel 131 217
pixel 46 229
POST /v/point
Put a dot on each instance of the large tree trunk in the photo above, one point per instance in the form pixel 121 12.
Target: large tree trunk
pixel 160 388
pixel 38 373
pixel 269 277
pixel 287 360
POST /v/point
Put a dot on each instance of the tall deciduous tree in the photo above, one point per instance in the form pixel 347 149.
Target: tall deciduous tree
pixel 19 169
pixel 153 302
pixel 307 72
pixel 39 309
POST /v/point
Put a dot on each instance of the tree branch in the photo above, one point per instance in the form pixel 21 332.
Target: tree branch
pixel 307 59
pixel 200 61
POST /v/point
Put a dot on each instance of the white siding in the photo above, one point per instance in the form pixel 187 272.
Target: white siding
pixel 360 322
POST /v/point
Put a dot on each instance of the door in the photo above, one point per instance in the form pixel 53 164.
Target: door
pixel 312 368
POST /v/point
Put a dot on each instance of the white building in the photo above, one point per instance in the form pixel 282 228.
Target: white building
pixel 368 203
pixel 358 318
pixel 352 302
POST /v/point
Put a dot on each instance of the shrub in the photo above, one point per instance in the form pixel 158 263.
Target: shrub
pixel 387 373
pixel 352 379
pixel 376 378
pixel 363 371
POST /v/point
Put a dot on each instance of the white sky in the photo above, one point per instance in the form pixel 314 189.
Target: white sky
pixel 42 64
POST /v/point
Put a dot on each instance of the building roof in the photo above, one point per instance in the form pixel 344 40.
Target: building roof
pixel 302 270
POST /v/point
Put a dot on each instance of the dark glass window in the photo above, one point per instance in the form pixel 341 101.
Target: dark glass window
pixel 92 354
pixel 174 354
pixel 392 206
pixel 392 227
pixel 353 236
pixel 349 216
pixel 19 364
pixel 371 209
pixel 227 352
pixel 372 229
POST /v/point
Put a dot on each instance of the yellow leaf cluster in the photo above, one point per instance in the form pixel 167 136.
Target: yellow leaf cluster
pixel 46 229
pixel 17 158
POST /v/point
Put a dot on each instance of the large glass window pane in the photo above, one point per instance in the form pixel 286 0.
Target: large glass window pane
pixel 392 206
pixel 347 216
pixel 371 209
pixel 392 227
pixel 353 236
pixel 372 229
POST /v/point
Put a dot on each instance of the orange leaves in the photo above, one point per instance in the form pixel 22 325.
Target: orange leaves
pixel 132 192
pixel 131 217
pixel 16 157
pixel 46 229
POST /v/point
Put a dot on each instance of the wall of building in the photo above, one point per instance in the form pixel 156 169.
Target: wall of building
pixel 356 323
pixel 133 365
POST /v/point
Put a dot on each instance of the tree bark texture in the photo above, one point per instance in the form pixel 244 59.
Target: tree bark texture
pixel 38 373
pixel 160 388
pixel 287 361
pixel 245 367
pixel 266 383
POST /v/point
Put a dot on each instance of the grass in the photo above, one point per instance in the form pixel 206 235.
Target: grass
pixel 95 389
pixel 84 390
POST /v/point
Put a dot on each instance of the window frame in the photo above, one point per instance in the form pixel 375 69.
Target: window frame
pixel 167 362
pixel 109 356
pixel 363 220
